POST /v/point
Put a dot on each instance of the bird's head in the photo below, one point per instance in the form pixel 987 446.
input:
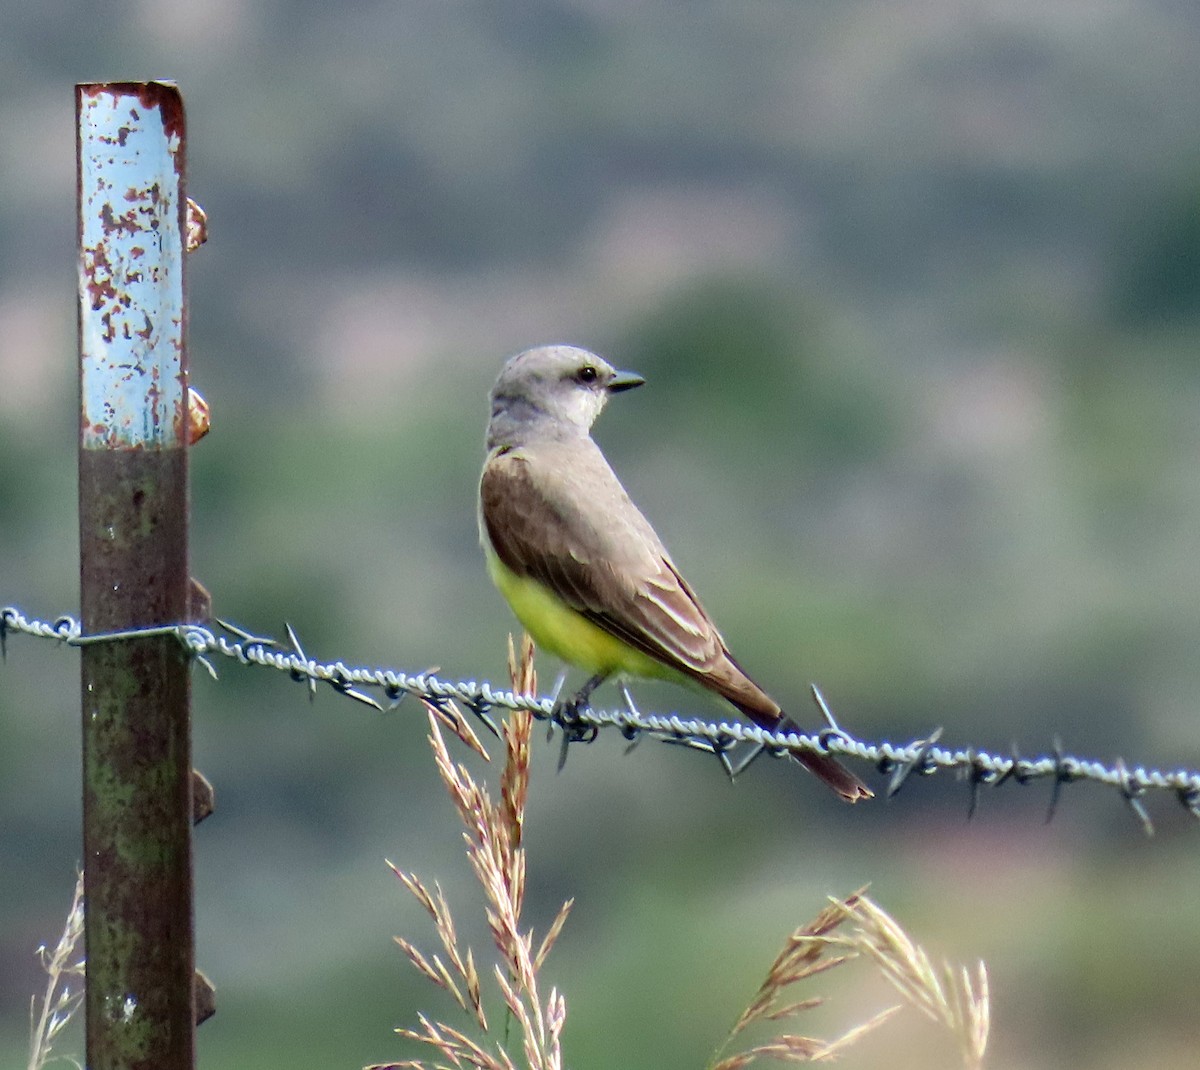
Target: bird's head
pixel 553 391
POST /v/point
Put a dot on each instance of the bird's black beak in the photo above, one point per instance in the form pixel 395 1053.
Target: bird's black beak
pixel 624 381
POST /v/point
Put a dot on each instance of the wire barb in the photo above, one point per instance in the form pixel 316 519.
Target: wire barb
pixel 294 639
pixel 1189 798
pixel 978 775
pixel 1132 791
pixel 1064 773
pixel 917 763
pixel 578 721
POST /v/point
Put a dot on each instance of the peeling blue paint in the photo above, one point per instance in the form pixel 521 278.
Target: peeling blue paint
pixel 131 282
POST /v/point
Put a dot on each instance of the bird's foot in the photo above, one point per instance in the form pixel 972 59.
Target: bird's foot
pixel 566 713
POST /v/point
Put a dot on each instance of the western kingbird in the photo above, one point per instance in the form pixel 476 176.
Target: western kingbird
pixel 580 566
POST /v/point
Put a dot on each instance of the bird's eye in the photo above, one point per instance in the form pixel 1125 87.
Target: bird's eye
pixel 588 374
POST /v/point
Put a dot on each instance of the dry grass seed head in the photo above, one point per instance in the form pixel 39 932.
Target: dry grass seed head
pixel 518 729
pixel 464 966
pixel 551 936
pixel 453 1044
pixel 834 1048
pixel 448 713
pixel 520 667
pixel 514 781
pixel 463 792
pixel 790 1009
pixel 59 1002
pixel 952 1000
pixel 805 954
pixel 420 962
pixel 493 834
pixel 500 869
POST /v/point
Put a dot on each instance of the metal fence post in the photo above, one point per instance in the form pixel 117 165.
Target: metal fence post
pixel 133 502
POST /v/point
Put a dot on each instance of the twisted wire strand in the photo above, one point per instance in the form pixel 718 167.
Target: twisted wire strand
pixel 921 757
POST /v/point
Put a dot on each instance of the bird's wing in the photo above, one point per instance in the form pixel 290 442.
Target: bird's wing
pixel 567 522
pixel 559 515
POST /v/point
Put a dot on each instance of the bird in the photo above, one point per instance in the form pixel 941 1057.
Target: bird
pixel 580 566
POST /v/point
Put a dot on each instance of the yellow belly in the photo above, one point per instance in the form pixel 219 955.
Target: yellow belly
pixel 559 629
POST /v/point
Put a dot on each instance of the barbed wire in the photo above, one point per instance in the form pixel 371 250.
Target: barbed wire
pixel 900 762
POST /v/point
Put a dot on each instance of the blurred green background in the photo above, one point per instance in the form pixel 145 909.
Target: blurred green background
pixel 916 288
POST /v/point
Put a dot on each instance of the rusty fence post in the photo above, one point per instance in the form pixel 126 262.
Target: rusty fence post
pixel 133 502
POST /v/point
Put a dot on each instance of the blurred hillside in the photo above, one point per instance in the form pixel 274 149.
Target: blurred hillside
pixel 916 289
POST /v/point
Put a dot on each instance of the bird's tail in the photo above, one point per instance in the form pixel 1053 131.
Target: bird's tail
pixel 830 771
pixel 745 695
pixel 824 767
